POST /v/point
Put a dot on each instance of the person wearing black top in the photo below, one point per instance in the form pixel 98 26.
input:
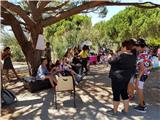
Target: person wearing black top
pixel 131 85
pixel 122 67
pixel 76 64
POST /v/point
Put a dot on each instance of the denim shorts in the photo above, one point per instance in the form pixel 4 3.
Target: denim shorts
pixel 141 81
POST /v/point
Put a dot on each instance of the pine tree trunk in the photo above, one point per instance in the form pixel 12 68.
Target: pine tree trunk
pixel 34 55
pixel 34 59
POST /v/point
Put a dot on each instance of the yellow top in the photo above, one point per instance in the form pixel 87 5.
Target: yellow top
pixel 83 54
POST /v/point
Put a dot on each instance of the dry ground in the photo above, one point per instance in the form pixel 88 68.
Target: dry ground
pixel 93 99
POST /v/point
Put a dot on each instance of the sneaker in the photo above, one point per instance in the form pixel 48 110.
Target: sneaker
pixel 145 105
pixel 140 109
pixel 124 112
pixel 111 112
pixel 79 77
pixel 76 82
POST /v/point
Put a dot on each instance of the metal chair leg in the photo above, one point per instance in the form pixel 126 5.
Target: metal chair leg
pixel 55 98
pixel 74 95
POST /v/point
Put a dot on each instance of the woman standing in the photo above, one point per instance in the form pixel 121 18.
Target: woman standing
pixel 122 67
pixel 84 56
pixel 6 56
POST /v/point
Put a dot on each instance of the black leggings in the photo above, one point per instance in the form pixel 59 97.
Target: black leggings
pixel 84 64
pixel 120 90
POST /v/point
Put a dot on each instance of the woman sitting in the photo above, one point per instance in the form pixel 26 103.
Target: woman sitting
pixel 44 74
pixel 67 70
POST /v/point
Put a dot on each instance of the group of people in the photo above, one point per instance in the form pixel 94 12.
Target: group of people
pixel 74 63
pixel 130 68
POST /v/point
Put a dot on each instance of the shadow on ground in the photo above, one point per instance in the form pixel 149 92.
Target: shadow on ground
pixel 93 99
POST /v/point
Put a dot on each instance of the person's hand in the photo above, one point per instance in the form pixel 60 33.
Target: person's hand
pixel 58 69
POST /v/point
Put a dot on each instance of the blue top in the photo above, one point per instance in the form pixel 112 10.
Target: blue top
pixel 42 72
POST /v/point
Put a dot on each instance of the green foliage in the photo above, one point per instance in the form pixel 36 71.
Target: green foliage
pixel 132 23
pixel 10 41
pixel 68 33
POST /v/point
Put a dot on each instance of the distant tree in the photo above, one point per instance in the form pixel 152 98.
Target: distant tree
pixel 132 23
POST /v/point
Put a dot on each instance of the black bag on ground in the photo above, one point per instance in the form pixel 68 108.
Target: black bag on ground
pixel 34 85
pixel 7 97
pixel 39 85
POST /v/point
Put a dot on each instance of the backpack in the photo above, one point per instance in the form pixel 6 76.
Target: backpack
pixel 7 97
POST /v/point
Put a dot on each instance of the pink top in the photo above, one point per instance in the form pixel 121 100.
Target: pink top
pixel 158 52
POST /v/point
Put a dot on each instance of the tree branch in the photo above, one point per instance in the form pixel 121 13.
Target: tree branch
pixel 54 8
pixel 14 23
pixel 5 22
pixel 17 9
pixel 36 15
pixel 70 12
pixel 92 4
pixel 141 5
pixel 42 4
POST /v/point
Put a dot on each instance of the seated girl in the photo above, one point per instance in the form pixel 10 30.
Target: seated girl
pixel 44 74
pixel 67 69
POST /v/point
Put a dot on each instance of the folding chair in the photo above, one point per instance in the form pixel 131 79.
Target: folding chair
pixel 65 83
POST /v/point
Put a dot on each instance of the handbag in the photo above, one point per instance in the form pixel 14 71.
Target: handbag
pixel 8 97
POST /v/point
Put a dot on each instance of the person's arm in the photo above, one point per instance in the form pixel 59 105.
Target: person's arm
pixel 80 54
pixel 4 56
pixel 141 70
pixel 114 60
pixel 55 70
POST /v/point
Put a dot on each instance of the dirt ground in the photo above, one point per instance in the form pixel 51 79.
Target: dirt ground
pixel 93 99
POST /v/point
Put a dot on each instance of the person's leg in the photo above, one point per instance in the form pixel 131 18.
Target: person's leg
pixel 82 68
pixel 76 77
pixel 124 95
pixel 131 89
pixel 15 73
pixel 116 97
pixel 141 97
pixel 140 84
pixel 140 90
pixel 72 72
pixel 115 106
pixel 52 80
pixel 126 105
pixel 7 73
pixel 86 66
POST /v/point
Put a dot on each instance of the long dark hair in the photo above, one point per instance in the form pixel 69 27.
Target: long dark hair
pixel 6 48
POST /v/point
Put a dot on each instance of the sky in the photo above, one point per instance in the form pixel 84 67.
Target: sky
pixel 111 12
